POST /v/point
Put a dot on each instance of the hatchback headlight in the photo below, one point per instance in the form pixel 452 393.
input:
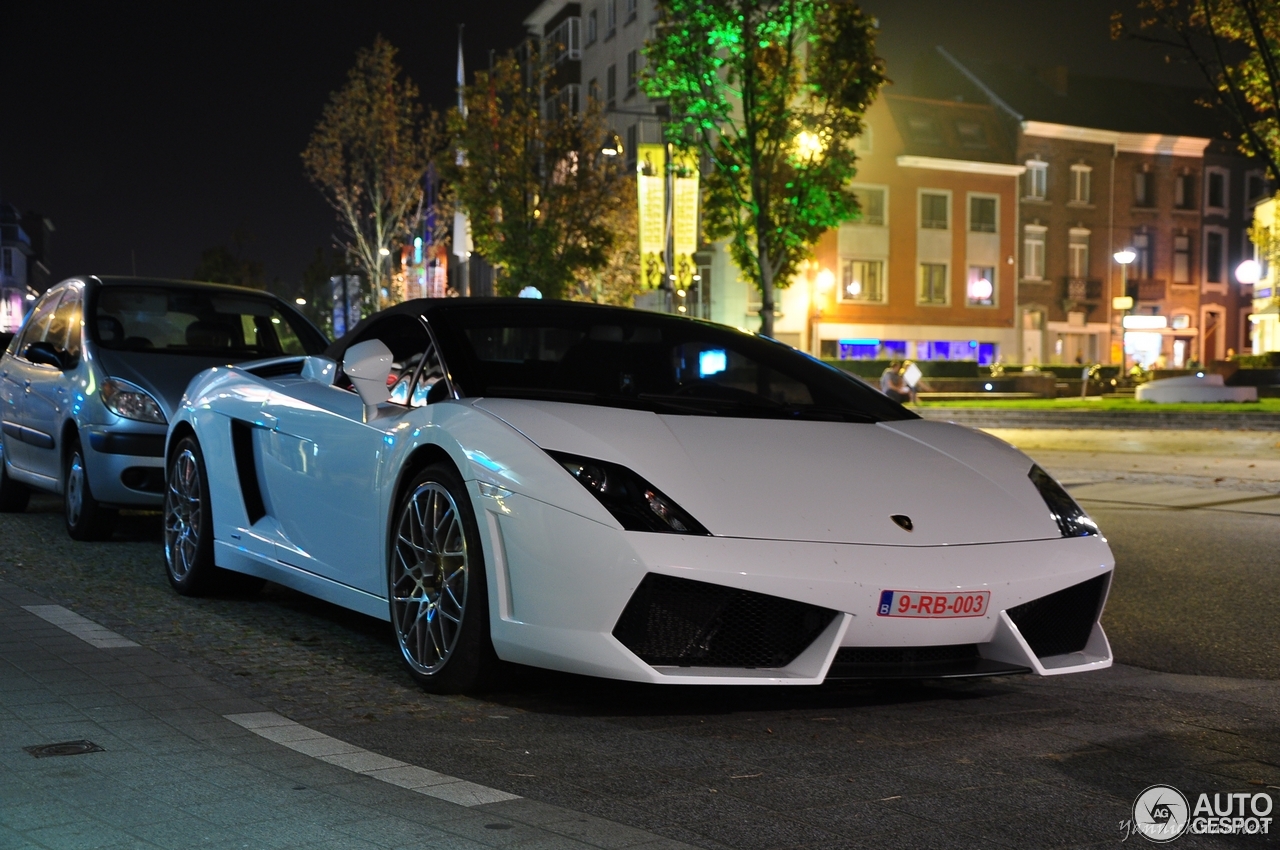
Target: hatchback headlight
pixel 635 503
pixel 1071 519
pixel 131 401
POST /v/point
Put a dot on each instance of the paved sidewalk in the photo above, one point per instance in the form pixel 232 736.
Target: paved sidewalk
pixel 185 762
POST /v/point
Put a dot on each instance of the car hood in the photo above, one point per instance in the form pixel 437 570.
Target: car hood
pixel 808 481
pixel 165 376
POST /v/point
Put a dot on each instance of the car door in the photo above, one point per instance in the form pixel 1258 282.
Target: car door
pixel 324 466
pixel 49 395
pixel 16 377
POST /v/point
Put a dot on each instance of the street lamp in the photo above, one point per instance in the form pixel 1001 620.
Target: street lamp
pixel 1250 272
pixel 1124 302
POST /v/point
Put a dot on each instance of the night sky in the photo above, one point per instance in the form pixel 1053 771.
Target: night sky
pixel 162 129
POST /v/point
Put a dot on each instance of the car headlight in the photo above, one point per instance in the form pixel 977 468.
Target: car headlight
pixel 635 503
pixel 131 401
pixel 1071 519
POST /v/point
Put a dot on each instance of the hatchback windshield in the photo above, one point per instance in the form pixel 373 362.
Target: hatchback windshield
pixel 628 358
pixel 186 320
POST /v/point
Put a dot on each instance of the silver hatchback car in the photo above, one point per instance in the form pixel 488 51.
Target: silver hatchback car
pixel 90 382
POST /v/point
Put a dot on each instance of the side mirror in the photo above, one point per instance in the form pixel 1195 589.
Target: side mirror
pixel 43 353
pixel 368 364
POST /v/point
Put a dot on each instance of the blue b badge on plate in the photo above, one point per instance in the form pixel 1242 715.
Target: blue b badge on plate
pixel 886 602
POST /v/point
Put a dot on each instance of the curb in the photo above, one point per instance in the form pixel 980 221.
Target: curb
pixel 1119 420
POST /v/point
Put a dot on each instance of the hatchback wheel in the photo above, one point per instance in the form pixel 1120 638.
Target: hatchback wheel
pixel 85 516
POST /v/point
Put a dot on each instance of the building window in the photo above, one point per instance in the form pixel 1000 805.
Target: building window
pixel 1142 258
pixel 982 214
pixel 1078 252
pixel 633 146
pixel 1184 192
pixel 1143 194
pixel 933 211
pixel 1182 259
pixel 1037 179
pixel 593 21
pixel 971 135
pixel 610 18
pixel 871 205
pixel 1033 252
pixel 862 142
pixel 1215 194
pixel 933 283
pixel 631 11
pixel 564 41
pixel 611 87
pixel 862 280
pixel 980 290
pixel 1081 184
pixel 1214 257
pixel 593 90
pixel 633 59
pixel 1255 187
pixel 7 268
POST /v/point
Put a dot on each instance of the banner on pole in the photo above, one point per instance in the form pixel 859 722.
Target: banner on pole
pixel 651 174
pixel 684 225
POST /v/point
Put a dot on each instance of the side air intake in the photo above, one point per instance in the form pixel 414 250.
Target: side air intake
pixel 675 622
pixel 1061 622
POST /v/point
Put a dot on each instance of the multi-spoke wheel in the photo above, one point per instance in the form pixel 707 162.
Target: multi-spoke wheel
pixel 188 529
pixel 436 585
pixel 86 517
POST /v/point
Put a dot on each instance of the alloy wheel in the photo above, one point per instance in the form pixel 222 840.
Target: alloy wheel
pixel 429 578
pixel 183 515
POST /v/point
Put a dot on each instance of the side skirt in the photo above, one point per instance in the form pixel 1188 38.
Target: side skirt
pixel 232 557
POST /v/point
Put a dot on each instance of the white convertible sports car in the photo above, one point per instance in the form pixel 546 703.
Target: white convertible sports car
pixel 629 495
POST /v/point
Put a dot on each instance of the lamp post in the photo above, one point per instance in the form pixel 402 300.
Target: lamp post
pixel 1123 303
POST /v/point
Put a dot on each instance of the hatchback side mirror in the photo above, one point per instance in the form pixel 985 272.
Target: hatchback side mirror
pixel 45 354
pixel 368 364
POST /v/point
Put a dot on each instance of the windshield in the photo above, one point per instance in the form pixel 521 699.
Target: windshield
pixel 187 320
pixel 633 359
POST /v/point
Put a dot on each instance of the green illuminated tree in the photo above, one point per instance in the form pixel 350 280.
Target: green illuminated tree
pixel 367 156
pixel 773 93
pixel 1236 46
pixel 542 198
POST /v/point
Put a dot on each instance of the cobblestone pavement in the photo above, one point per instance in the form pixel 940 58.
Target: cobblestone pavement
pixel 1006 762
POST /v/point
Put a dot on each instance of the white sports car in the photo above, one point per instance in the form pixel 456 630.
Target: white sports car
pixel 629 495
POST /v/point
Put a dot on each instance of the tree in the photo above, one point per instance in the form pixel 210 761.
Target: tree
pixel 367 156
pixel 1236 46
pixel 228 264
pixel 530 171
pixel 617 282
pixel 773 93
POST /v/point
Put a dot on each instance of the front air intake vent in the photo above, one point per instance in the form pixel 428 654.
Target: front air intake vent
pixel 676 622
pixel 277 368
pixel 1061 622
pixel 915 662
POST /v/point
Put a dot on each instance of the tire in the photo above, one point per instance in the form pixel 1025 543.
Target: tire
pixel 188 530
pixel 436 586
pixel 14 496
pixel 85 516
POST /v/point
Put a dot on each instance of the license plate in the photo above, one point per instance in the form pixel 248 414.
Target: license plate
pixel 915 603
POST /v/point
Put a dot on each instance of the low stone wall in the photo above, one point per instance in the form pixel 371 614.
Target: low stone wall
pixel 1170 421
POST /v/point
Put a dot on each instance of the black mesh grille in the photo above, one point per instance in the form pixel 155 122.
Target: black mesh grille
pixel 1060 622
pixel 677 622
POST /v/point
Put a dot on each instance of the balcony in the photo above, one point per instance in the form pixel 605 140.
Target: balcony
pixel 1083 290
pixel 1146 289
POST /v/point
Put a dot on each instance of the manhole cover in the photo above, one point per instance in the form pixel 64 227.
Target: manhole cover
pixel 66 748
